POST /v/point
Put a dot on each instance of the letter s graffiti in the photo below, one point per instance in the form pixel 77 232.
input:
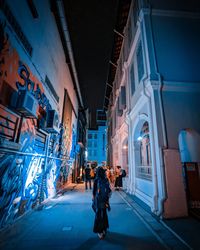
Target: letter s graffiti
pixel 24 74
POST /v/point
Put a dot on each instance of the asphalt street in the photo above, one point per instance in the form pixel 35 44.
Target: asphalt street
pixel 66 222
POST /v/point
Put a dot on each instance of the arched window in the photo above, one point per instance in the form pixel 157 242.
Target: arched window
pixel 145 154
pixel 142 151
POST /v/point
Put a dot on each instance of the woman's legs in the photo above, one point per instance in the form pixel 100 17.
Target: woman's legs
pixel 101 222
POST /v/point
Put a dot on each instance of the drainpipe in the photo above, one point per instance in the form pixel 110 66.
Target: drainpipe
pixel 163 121
pixel 61 14
pixel 127 121
pixel 158 210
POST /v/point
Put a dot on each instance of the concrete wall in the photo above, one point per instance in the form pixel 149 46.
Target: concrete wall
pixel 177 46
pixel 48 57
pixel 182 110
pixel 175 204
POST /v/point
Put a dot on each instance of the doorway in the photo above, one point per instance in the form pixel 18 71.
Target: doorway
pixel 192 181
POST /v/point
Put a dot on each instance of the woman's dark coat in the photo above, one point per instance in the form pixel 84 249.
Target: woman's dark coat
pixel 101 218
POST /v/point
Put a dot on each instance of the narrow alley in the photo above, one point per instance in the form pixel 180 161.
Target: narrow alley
pixel 66 222
pixel 90 87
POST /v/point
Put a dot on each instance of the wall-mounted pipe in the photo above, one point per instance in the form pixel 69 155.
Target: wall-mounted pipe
pixel 163 121
pixel 14 152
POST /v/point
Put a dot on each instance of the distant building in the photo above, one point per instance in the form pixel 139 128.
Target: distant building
pixel 96 144
pixel 100 117
pixel 97 139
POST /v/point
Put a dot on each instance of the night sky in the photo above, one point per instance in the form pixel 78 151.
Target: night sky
pixel 91 25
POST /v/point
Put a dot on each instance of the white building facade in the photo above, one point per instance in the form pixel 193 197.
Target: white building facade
pixel 155 95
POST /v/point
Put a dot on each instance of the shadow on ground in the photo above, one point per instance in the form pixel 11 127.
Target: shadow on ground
pixel 119 241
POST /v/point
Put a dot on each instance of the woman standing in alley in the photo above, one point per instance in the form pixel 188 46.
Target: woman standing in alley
pixel 101 195
pixel 118 178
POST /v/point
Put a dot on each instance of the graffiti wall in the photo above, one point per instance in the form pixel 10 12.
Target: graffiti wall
pixel 32 142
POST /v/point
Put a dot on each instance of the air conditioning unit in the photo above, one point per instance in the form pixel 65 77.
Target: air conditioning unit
pixel 52 122
pixel 26 104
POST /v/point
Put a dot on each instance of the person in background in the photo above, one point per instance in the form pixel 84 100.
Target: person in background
pixel 82 174
pixel 92 173
pixel 101 195
pixel 112 176
pixel 118 178
pixel 107 171
pixel 87 174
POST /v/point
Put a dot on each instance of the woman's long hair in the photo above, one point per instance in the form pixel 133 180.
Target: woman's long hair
pixel 101 173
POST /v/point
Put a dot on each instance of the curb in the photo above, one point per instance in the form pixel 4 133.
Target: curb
pixel 150 226
pixel 175 234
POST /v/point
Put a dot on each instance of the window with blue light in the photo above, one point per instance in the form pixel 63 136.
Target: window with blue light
pixel 144 163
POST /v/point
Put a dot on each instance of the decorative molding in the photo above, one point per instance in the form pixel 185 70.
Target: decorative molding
pixel 133 46
pixel 172 86
pixel 123 128
pixel 169 13
pixel 144 197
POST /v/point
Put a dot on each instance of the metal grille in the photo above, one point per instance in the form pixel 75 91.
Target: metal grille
pixel 51 145
pixel 40 141
pixel 144 172
pixel 8 124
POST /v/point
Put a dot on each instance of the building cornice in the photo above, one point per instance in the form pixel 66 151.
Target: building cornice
pixel 174 86
pixel 169 13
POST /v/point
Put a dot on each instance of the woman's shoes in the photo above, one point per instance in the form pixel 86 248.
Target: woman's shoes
pixel 101 236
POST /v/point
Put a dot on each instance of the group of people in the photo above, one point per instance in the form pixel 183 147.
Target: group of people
pixel 114 176
pixel 103 178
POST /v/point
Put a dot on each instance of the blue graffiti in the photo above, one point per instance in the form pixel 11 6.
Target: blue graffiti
pixel 29 85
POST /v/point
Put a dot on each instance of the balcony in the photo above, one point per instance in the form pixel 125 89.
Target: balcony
pixel 144 172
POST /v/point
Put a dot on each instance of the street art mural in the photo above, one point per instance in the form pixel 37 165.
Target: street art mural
pixel 67 140
pixel 30 158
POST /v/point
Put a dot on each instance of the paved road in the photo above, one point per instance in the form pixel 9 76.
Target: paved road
pixel 66 222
